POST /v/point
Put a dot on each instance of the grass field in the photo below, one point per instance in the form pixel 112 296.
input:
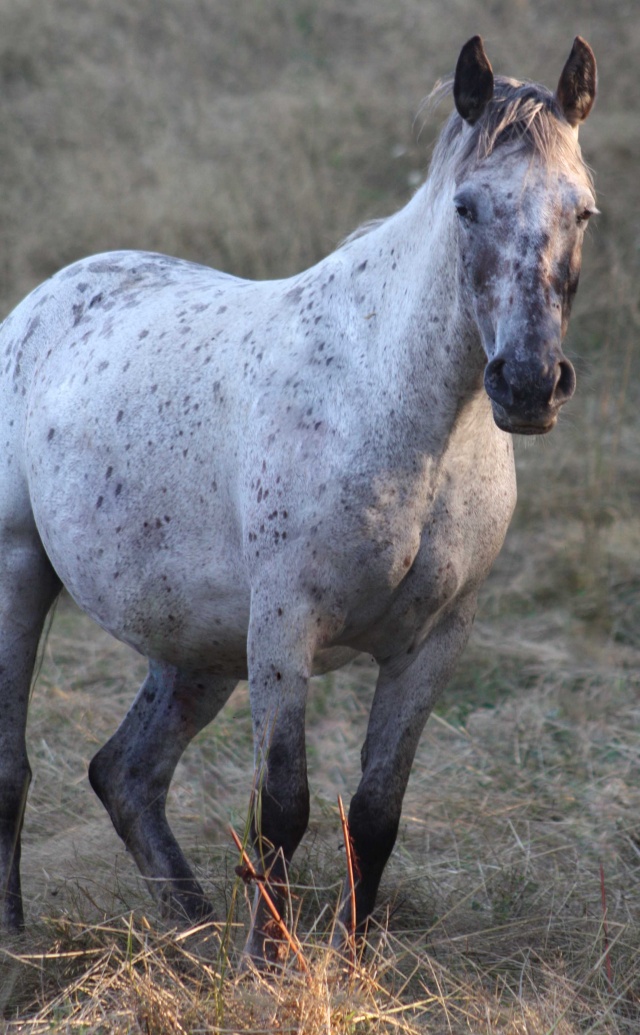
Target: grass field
pixel 253 137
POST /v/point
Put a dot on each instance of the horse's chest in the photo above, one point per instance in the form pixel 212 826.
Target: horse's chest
pixel 445 556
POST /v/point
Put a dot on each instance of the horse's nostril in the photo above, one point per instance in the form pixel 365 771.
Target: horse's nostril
pixel 495 381
pixel 566 383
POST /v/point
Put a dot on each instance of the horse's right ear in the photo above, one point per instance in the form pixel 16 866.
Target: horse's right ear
pixel 577 87
pixel 473 82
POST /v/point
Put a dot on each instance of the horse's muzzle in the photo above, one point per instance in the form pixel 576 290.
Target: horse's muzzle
pixel 526 396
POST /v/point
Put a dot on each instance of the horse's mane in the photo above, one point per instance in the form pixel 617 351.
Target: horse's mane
pixel 522 116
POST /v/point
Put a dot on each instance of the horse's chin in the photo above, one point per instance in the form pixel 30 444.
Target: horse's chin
pixel 516 426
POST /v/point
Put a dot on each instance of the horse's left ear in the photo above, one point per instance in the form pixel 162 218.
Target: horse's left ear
pixel 577 87
pixel 473 82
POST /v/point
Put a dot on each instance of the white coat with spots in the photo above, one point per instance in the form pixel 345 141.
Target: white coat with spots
pixel 262 479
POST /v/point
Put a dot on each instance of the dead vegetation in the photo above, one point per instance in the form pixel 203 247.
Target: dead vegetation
pixel 522 806
pixel 253 136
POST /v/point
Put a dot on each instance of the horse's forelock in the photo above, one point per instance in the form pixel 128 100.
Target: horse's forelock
pixel 523 116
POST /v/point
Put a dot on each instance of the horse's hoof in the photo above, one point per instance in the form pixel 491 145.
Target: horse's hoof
pixel 186 910
pixel 266 951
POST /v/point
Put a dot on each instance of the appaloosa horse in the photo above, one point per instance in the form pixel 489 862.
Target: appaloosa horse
pixel 263 479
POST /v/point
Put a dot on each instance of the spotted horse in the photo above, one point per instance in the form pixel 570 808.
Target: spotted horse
pixel 263 479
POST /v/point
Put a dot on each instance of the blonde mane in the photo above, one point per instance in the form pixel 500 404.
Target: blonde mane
pixel 521 116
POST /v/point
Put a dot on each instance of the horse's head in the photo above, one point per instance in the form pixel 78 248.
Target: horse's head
pixel 523 198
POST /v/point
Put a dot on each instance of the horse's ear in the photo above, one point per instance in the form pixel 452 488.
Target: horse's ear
pixel 577 87
pixel 473 82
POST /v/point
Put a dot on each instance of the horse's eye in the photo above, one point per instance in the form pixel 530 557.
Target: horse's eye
pixel 464 212
pixel 584 217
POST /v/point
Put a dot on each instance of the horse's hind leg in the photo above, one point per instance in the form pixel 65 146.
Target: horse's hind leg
pixel 131 775
pixel 28 587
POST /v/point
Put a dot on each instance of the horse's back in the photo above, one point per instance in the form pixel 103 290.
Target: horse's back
pixel 83 303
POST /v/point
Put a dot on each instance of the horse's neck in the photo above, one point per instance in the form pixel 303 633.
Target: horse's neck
pixel 419 334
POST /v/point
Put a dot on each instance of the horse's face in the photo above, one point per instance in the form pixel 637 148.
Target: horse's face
pixel 520 233
pixel 521 215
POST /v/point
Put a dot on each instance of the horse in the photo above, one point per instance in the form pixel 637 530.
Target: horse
pixel 261 480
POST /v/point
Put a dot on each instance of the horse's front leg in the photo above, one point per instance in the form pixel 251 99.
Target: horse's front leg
pixel 404 697
pixel 280 654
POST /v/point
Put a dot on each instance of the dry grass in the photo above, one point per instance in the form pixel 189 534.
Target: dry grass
pixel 490 917
pixel 253 136
pixel 123 976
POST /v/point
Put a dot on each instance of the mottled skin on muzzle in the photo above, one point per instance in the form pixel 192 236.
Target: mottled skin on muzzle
pixel 522 262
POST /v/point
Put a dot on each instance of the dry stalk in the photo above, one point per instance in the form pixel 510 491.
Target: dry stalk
pixel 348 847
pixel 260 881
pixel 605 928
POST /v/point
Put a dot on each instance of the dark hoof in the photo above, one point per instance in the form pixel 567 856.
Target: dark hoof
pixel 191 909
pixel 266 950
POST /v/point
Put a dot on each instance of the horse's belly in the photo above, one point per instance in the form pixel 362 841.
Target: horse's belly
pixel 147 545
pixel 188 616
pixel 184 606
